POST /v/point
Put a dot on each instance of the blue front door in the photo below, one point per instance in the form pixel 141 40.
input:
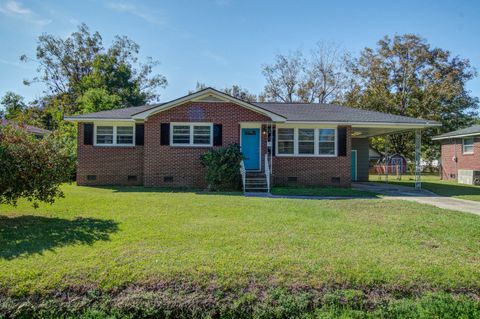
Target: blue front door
pixel 251 148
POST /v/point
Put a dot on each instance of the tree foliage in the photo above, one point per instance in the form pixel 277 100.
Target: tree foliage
pixel 14 105
pixel 321 77
pixel 223 167
pixel 406 76
pixel 78 71
pixel 32 168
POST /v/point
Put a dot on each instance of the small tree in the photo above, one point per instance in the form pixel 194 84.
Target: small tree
pixel 223 167
pixel 32 168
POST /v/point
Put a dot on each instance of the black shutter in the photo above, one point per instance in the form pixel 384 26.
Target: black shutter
pixel 274 142
pixel 217 134
pixel 165 134
pixel 139 134
pixel 342 141
pixel 88 134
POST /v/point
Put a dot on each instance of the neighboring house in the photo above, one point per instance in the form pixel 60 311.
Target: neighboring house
pixel 37 131
pixel 161 145
pixel 460 151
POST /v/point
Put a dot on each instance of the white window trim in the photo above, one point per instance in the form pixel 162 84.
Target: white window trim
pixel 316 141
pixel 473 146
pixel 191 125
pixel 114 125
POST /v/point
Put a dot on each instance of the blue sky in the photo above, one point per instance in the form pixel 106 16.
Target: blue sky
pixel 225 42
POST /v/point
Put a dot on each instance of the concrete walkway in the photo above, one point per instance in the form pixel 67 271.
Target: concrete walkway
pixel 391 191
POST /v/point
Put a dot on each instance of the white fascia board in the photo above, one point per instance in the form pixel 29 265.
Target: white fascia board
pixel 96 119
pixel 370 124
pixel 455 136
pixel 192 97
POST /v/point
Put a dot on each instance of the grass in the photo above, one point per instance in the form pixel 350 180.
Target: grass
pixel 320 191
pixel 110 239
pixel 435 184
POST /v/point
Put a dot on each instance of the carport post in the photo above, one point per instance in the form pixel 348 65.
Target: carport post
pixel 418 168
pixel 387 141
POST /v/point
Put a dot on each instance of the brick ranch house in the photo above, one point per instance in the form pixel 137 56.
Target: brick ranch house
pixel 460 150
pixel 286 143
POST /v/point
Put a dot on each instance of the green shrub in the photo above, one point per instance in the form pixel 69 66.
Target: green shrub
pixel 223 168
pixel 32 168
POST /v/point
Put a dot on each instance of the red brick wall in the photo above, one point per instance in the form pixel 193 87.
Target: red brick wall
pixel 110 165
pixel 153 162
pixel 453 147
pixel 183 163
pixel 314 170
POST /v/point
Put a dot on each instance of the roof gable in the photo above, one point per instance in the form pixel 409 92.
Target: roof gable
pixel 208 95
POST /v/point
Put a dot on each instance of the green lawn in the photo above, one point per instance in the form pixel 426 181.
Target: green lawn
pixel 320 191
pixel 435 184
pixel 114 238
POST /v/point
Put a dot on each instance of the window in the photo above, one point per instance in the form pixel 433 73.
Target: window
pixel 191 134
pixel 181 134
pixel 124 134
pixel 112 135
pixel 285 140
pixel 104 134
pixel 467 144
pixel 201 135
pixel 307 141
pixel 326 142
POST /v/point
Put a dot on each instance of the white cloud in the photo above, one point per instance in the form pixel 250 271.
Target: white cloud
pixel 16 9
pixel 144 14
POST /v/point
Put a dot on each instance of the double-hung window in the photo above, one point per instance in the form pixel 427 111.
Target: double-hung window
pixel 286 141
pixel 467 145
pixel 124 135
pixel 104 135
pixel 304 141
pixel 326 141
pixel 114 135
pixel 191 134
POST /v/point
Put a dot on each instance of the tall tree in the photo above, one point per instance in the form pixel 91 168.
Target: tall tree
pixel 405 76
pixel 14 105
pixel 71 67
pixel 320 77
pixel 325 74
pixel 283 78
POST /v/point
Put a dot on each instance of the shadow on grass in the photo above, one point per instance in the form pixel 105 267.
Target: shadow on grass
pixel 27 235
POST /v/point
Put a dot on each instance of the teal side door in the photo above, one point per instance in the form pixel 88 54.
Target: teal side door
pixel 251 148
pixel 354 165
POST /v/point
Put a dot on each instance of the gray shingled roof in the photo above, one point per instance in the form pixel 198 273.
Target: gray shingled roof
pixel 313 112
pixel 117 114
pixel 29 128
pixel 335 113
pixel 472 130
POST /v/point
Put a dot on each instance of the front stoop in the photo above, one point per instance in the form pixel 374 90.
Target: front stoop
pixel 256 183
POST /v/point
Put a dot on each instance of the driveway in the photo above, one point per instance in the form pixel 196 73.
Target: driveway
pixel 391 191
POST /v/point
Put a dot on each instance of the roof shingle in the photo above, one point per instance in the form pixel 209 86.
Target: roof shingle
pixel 472 130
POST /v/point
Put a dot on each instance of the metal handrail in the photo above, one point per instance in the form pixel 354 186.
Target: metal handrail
pixel 267 172
pixel 243 172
